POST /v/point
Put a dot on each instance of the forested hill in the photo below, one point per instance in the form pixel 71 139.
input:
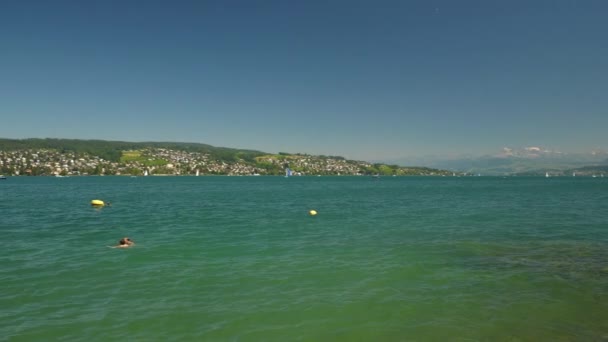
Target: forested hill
pixel 113 150
pixel 95 157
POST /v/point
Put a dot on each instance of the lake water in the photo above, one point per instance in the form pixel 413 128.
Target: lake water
pixel 240 259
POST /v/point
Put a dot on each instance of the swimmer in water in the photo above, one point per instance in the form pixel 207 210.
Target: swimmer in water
pixel 125 243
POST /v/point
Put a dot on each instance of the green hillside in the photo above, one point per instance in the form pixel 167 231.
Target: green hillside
pixel 93 157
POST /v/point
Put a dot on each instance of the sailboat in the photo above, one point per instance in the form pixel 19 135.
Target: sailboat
pixel 287 172
pixel 197 173
pixel 145 172
pixel 546 174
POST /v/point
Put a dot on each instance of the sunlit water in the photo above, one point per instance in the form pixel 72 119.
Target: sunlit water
pixel 239 258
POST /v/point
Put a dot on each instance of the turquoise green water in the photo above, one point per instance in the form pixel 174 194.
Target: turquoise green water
pixel 240 259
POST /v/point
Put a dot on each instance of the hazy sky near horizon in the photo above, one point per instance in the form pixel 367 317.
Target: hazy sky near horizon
pixel 363 79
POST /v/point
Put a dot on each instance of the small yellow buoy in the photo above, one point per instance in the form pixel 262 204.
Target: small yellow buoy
pixel 312 212
pixel 97 203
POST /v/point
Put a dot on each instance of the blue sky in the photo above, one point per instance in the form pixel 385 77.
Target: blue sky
pixel 366 80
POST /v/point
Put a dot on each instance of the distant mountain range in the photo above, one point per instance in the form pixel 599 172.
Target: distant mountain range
pixel 524 161
pixel 509 161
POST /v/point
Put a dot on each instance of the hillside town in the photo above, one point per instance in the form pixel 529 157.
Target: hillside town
pixel 161 161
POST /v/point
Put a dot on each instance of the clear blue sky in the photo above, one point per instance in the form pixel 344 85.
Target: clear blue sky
pixel 362 79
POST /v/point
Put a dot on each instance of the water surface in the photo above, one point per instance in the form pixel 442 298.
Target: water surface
pixel 239 258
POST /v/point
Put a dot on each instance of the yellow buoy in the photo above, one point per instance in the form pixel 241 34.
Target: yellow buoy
pixel 97 203
pixel 312 212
